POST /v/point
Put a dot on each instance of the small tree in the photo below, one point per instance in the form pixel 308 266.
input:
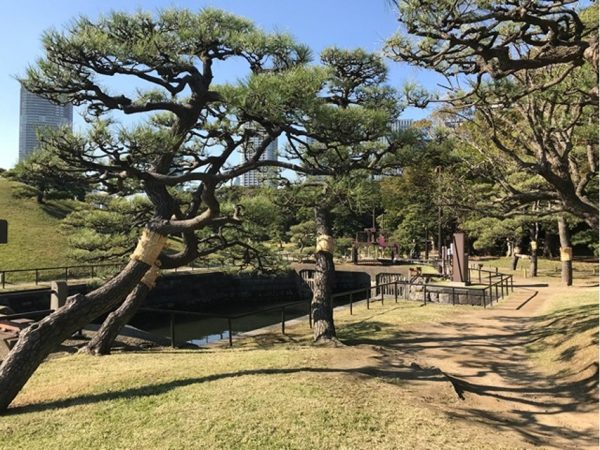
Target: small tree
pixel 49 176
pixel 345 134
pixel 187 130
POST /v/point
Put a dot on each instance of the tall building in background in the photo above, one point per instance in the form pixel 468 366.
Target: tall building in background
pixel 402 124
pixel 35 113
pixel 257 177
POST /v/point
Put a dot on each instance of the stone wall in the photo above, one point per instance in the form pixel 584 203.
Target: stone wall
pixel 444 295
pixel 207 291
pixel 34 299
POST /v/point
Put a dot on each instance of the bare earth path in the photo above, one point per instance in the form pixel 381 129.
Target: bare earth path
pixel 482 354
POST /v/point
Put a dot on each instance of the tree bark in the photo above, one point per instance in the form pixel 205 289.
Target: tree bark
pixel 566 252
pixel 40 339
pixel 101 343
pixel 322 305
pixel 533 246
pixel 549 244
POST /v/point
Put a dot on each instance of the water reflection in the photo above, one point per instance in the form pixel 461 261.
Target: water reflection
pixel 205 330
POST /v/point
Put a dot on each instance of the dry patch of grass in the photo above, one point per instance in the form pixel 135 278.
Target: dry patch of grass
pixel 261 399
pixel 255 396
pixel 567 332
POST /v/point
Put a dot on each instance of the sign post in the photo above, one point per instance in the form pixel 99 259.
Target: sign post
pixel 3 231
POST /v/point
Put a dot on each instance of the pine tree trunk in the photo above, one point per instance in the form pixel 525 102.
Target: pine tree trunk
pixel 533 246
pixel 566 252
pixel 40 339
pixel 322 305
pixel 549 244
pixel 101 343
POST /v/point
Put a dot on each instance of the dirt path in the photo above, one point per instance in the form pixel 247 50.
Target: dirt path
pixel 482 353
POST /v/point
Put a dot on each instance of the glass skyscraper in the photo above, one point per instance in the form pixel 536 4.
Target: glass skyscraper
pixel 258 176
pixel 38 113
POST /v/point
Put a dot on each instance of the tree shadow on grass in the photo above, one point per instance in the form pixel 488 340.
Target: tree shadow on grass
pixel 479 357
pixel 56 210
pixel 528 401
pixel 162 388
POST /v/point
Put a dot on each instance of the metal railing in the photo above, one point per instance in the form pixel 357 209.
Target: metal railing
pixel 401 289
pixel 66 272
pixel 74 272
pixel 173 313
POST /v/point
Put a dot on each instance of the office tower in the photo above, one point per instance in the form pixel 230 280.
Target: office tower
pixel 38 113
pixel 259 176
pixel 402 124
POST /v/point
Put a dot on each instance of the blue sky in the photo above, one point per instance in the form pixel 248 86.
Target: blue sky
pixel 317 23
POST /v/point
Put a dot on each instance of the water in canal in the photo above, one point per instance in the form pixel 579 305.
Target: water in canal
pixel 203 330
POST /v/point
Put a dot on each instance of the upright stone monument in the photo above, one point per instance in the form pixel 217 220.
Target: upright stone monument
pixel 460 259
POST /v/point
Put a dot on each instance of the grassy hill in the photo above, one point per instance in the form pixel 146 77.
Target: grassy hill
pixel 34 239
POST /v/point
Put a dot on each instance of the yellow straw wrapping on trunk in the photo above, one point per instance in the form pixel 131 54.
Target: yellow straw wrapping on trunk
pixel 149 279
pixel 149 247
pixel 325 243
pixel 566 254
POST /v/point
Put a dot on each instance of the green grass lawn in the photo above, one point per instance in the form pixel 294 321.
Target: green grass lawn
pixel 34 238
pixel 255 396
pixel 546 267
pixel 567 333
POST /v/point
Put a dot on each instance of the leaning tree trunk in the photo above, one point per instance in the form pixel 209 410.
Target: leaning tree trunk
pixel 38 340
pixel 566 252
pixel 103 340
pixel 322 305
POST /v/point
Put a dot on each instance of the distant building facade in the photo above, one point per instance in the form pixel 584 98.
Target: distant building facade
pixel 37 113
pixel 402 124
pixel 259 176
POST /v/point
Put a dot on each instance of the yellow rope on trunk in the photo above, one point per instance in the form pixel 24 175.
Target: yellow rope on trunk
pixel 149 247
pixel 566 254
pixel 149 279
pixel 325 243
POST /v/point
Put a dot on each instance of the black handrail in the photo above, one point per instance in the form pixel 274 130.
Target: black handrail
pixel 90 268
pixel 367 290
pixel 229 317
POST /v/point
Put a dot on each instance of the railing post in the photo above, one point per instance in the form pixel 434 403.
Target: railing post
pixel 483 292
pixel 396 291
pixel 229 332
pixel 424 294
pixel 368 298
pixel 382 289
pixel 172 316
pixel 3 277
pixel 66 274
pixel 283 320
pixel 496 286
pixel 37 277
pixel 310 313
pixel 512 285
pixel 350 303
